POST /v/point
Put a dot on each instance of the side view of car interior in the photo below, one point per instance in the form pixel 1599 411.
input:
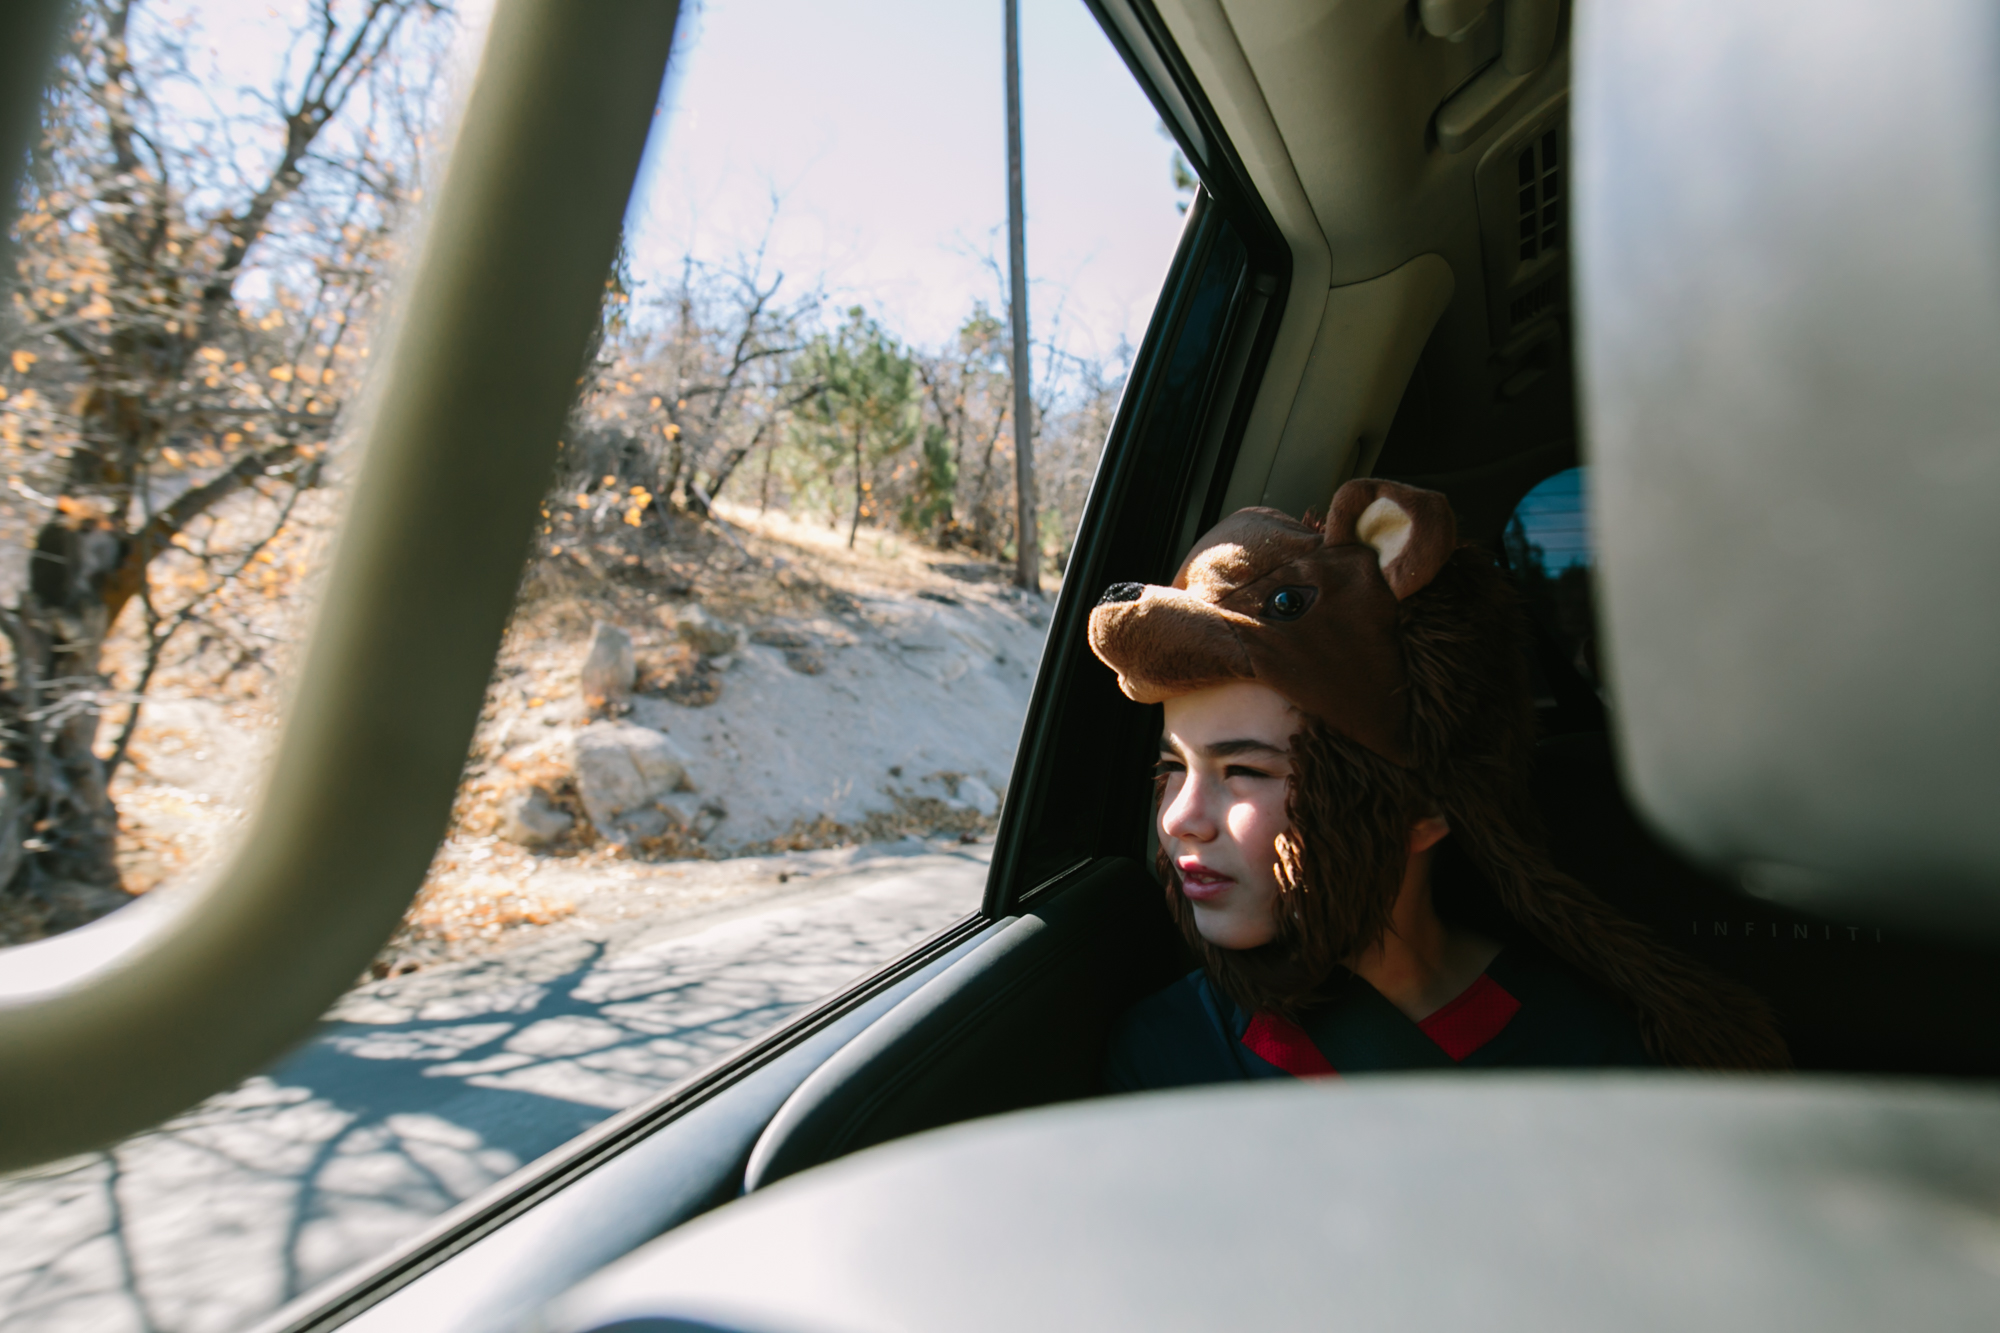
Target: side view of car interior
pixel 1388 271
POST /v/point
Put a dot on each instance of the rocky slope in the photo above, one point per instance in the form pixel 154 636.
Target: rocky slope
pixel 754 688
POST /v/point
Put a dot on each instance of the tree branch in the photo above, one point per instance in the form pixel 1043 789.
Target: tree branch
pixel 123 583
pixel 322 94
pixel 157 639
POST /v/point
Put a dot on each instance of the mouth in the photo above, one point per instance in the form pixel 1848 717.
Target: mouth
pixel 1200 883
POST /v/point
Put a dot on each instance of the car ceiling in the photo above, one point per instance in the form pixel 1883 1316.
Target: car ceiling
pixel 1406 347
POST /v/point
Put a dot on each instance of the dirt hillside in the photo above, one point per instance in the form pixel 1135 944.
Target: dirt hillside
pixel 816 696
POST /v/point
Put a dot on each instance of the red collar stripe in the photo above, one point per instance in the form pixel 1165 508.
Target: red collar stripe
pixel 1282 1042
pixel 1473 1019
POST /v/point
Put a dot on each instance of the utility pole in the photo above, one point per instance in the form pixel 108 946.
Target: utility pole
pixel 1027 543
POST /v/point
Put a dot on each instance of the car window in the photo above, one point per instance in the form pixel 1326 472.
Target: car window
pixel 750 731
pixel 1548 547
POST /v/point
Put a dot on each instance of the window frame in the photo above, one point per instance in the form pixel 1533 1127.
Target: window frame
pixel 1078 789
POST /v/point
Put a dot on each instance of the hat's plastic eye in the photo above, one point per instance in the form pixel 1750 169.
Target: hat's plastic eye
pixel 1289 603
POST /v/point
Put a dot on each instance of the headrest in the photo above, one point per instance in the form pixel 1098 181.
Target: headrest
pixel 1788 287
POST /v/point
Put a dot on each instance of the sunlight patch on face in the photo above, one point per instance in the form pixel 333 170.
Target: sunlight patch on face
pixel 1224 806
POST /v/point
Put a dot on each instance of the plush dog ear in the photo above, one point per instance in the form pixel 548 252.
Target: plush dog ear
pixel 1412 531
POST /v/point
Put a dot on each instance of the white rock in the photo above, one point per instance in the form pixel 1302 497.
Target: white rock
pixel 609 667
pixel 695 815
pixel 532 820
pixel 648 821
pixel 958 792
pixel 979 796
pixel 711 636
pixel 683 811
pixel 621 767
pixel 655 713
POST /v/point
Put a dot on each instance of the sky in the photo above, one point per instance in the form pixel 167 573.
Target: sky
pixel 880 128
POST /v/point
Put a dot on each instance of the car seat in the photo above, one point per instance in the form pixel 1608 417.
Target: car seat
pixel 1851 995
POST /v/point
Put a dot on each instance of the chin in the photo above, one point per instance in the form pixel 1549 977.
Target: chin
pixel 1226 931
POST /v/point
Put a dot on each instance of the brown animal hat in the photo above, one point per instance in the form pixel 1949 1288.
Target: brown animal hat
pixel 1403 649
pixel 1311 614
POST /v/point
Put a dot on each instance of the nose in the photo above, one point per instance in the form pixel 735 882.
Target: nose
pixel 1185 814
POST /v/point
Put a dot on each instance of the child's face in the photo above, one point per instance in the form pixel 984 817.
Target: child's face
pixel 1225 754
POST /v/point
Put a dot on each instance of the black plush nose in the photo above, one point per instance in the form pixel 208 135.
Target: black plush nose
pixel 1122 592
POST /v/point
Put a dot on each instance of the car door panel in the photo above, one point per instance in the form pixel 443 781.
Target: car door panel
pixel 1019 1021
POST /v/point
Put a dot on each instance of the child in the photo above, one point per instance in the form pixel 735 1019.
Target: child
pixel 1339 703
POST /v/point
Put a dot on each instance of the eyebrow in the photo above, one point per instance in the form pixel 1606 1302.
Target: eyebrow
pixel 1229 749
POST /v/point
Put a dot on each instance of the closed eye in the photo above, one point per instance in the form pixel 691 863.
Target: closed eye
pixel 1245 771
pixel 1167 767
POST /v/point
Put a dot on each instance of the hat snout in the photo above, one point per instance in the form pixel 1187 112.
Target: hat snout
pixel 1165 642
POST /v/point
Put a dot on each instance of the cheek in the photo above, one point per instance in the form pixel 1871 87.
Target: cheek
pixel 1255 825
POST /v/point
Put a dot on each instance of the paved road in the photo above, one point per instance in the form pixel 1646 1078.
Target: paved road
pixel 421 1091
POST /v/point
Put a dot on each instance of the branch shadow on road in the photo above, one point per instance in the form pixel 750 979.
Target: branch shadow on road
pixel 417 1094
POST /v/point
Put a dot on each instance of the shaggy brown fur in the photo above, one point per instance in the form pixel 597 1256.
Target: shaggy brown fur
pixel 1335 657
pixel 1471 732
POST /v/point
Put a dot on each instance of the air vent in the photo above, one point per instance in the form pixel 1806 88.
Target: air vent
pixel 1539 206
pixel 1536 302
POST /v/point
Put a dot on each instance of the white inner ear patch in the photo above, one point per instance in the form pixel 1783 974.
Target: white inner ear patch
pixel 1384 525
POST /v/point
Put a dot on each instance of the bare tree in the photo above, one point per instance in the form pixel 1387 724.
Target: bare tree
pixel 968 396
pixel 685 385
pixel 718 373
pixel 1080 398
pixel 192 295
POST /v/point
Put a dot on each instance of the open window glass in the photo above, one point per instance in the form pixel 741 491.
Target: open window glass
pixel 749 732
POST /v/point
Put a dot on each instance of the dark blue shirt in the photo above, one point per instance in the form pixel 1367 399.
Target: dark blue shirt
pixel 1527 1011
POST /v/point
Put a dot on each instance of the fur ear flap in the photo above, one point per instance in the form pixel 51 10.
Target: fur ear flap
pixel 1412 531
